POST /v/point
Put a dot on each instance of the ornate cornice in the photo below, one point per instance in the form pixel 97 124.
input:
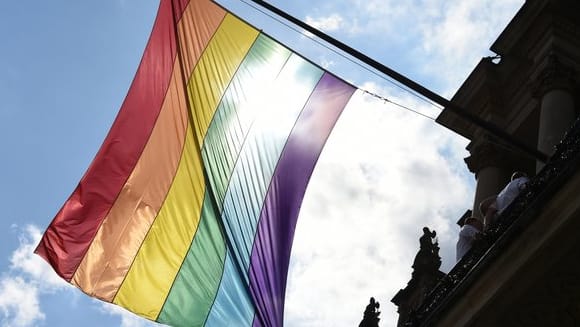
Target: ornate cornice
pixel 486 154
pixel 555 76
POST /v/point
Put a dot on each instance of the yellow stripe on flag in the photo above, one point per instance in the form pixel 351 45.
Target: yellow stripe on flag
pixel 213 74
pixel 150 278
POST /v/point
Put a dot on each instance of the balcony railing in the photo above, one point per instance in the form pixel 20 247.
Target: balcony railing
pixel 525 208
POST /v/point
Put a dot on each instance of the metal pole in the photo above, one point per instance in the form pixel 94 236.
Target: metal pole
pixel 487 126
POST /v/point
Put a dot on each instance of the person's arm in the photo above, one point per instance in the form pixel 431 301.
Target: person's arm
pixel 489 216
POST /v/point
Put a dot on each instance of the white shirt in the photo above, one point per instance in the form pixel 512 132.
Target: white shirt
pixel 509 193
pixel 466 237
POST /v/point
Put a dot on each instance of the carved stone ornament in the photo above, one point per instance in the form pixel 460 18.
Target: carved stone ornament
pixel 484 155
pixel 555 76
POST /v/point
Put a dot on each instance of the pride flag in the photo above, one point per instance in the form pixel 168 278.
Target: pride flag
pixel 187 213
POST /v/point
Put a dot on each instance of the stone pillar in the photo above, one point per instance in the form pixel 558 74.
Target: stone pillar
pixel 557 109
pixel 490 164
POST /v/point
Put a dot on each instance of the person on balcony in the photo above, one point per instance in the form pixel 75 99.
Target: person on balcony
pixel 518 182
pixel 467 235
pixel 488 209
pixel 493 206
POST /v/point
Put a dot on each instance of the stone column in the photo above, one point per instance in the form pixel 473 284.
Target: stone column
pixel 490 164
pixel 557 109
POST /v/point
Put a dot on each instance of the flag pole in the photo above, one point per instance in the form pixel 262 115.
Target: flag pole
pixel 459 111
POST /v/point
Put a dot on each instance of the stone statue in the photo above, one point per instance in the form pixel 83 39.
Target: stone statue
pixel 426 241
pixel 426 275
pixel 427 259
pixel 371 314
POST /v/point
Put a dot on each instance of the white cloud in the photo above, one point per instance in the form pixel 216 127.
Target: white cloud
pixel 33 267
pixel 384 174
pixel 384 18
pixel 128 319
pixel 454 33
pixel 328 23
pixel 29 277
pixel 441 40
pixel 326 63
pixel 19 303
pixel 333 23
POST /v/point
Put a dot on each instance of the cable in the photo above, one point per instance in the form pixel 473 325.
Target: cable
pixel 374 72
pixel 375 95
pixel 412 85
pixel 384 99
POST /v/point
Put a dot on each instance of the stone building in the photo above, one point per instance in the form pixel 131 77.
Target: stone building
pixel 525 271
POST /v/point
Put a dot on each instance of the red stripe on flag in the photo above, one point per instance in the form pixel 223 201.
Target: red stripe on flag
pixel 72 230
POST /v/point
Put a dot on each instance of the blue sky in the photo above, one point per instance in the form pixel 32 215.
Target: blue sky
pixel 65 68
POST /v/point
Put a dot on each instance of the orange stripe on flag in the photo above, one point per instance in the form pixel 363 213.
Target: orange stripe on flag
pixel 118 240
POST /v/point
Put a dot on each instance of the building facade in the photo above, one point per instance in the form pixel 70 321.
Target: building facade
pixel 525 271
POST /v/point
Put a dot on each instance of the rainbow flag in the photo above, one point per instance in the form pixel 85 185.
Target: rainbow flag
pixel 187 213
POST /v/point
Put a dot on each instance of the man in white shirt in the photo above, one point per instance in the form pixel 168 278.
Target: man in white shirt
pixel 493 206
pixel 511 191
pixel 468 233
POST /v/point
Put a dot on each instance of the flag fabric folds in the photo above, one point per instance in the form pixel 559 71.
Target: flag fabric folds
pixel 187 213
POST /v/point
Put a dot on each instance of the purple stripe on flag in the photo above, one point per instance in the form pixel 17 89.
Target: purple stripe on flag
pixel 271 251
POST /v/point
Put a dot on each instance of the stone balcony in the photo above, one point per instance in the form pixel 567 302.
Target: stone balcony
pixel 525 271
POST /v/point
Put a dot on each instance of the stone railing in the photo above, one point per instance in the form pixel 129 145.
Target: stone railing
pixel 541 188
